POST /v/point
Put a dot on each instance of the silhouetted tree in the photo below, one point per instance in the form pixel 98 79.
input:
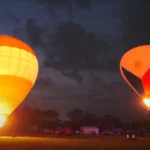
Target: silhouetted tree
pixel 89 119
pixel 76 115
pixel 35 116
pixel 50 115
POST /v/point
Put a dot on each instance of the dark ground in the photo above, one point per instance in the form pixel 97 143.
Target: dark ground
pixel 73 143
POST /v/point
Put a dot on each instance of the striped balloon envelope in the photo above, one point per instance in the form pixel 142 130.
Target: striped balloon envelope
pixel 135 70
pixel 18 73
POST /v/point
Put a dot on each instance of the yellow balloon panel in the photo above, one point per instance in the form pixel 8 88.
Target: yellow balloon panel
pixel 137 60
pixel 13 91
pixel 18 62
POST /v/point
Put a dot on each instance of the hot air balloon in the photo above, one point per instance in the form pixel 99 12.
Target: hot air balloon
pixel 135 69
pixel 18 73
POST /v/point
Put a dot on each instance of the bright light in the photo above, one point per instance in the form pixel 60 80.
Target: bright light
pixel 146 102
pixel 2 120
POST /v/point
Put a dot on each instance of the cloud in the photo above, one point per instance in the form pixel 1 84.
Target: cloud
pixel 67 5
pixel 44 82
pixel 135 23
pixel 34 32
pixel 79 58
pixel 70 7
pixel 70 49
pixel 13 18
pixel 73 74
pixel 78 48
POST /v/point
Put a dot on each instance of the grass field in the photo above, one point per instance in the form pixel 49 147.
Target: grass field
pixel 73 143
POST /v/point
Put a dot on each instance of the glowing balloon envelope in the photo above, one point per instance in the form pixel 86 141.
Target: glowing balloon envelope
pixel 135 69
pixel 18 73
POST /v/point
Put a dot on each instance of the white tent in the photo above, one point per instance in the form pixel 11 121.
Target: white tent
pixel 89 130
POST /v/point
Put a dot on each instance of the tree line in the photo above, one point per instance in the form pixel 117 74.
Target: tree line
pixel 24 117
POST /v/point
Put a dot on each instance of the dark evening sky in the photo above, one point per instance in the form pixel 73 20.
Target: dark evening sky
pixel 79 47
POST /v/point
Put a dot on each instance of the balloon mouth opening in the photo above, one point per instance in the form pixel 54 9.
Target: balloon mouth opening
pixel 146 101
pixel 3 119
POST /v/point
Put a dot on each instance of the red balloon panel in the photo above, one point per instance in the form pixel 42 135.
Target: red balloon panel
pixel 146 82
